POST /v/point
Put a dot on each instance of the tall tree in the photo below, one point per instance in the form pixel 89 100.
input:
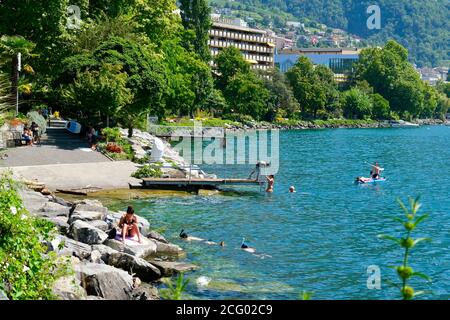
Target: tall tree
pixel 230 62
pixel 195 15
pixel 10 47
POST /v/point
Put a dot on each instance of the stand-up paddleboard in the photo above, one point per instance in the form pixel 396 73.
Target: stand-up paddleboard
pixel 370 180
pixel 73 126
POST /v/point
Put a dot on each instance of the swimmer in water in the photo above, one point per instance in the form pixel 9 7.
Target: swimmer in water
pixel 246 247
pixel 292 189
pixel 270 183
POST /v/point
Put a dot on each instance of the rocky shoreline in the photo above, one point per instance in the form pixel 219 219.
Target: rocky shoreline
pixel 329 125
pixel 103 268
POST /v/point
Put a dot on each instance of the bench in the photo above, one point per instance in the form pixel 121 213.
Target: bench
pixel 18 139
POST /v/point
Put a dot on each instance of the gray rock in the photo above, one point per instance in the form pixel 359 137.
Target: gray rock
pixel 146 292
pixel 3 296
pixel 146 249
pixel 156 236
pixel 99 224
pixel 62 202
pixel 105 281
pixel 33 201
pixel 105 251
pixel 86 233
pixel 167 248
pixel 144 225
pixel 86 216
pixel 68 288
pixel 52 209
pixel 94 298
pixel 70 247
pixel 60 223
pixel 169 268
pixel 139 267
pixel 90 205
pixel 96 257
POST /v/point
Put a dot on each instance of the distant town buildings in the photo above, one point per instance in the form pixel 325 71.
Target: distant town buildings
pixel 257 46
pixel 433 75
pixel 339 60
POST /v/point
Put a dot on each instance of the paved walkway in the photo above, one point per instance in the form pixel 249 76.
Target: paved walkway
pixel 58 147
pixel 64 161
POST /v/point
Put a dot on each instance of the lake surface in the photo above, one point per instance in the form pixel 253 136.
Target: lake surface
pixel 322 238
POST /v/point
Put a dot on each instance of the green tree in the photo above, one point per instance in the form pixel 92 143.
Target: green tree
pixel 246 94
pixel 356 104
pixel 313 86
pixel 157 19
pixel 195 15
pixel 381 109
pixel 102 90
pixel 391 75
pixel 229 63
pixel 146 76
pixel 190 79
pixel 282 100
pixel 10 47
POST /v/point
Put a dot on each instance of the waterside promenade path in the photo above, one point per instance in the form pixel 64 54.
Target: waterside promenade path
pixel 64 161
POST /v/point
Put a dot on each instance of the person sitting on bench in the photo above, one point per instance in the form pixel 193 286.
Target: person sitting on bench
pixel 27 136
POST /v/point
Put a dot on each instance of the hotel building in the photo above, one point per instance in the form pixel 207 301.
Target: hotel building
pixel 257 46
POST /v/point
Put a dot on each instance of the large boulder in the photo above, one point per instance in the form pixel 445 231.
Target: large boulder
pixel 99 224
pixel 68 288
pixel 105 281
pixel 169 268
pixel 33 201
pixel 146 249
pixel 86 216
pixel 90 205
pixel 156 236
pixel 52 209
pixel 104 251
pixel 60 222
pixel 167 248
pixel 65 246
pixel 145 291
pixel 86 233
pixel 138 266
pixel 96 257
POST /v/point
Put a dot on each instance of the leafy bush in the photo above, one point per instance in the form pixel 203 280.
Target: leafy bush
pixel 26 271
pixel 404 271
pixel 34 116
pixel 111 134
pixel 148 171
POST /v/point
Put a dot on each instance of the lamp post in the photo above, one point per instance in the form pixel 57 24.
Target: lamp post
pixel 19 68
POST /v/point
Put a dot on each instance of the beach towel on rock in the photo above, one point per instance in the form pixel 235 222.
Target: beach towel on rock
pixel 130 241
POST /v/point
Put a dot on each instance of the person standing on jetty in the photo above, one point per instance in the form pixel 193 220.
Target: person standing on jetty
pixel 270 183
pixel 129 225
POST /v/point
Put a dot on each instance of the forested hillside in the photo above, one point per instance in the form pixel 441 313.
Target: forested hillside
pixel 421 26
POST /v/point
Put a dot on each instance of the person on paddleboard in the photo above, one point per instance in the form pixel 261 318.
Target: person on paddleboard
pixel 375 172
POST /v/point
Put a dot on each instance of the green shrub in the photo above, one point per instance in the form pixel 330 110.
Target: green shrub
pixel 111 134
pixel 148 171
pixel 26 271
pixel 174 292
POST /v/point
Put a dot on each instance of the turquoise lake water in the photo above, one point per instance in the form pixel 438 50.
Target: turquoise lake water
pixel 322 238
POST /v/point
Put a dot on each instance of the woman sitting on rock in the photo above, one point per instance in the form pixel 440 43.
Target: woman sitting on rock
pixel 128 224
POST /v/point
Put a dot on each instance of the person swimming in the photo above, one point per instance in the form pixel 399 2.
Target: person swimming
pixel 292 189
pixel 246 247
pixel 270 183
